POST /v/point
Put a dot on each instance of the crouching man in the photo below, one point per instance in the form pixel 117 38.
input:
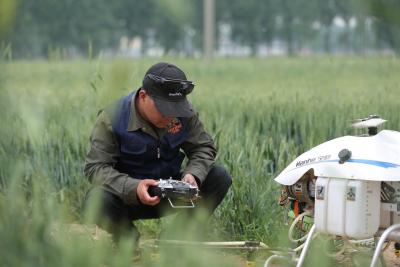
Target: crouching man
pixel 144 137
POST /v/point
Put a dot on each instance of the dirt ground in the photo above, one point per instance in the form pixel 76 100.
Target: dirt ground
pixel 390 258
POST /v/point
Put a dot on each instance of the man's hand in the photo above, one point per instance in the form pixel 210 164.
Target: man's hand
pixel 188 178
pixel 143 194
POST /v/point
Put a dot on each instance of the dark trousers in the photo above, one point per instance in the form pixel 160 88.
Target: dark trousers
pixel 117 217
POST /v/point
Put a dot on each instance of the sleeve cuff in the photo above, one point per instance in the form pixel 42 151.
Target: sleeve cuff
pixel 129 191
pixel 198 174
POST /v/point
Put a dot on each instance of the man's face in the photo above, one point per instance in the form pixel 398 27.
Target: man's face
pixel 150 112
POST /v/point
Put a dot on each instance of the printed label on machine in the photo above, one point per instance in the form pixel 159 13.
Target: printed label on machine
pixel 351 193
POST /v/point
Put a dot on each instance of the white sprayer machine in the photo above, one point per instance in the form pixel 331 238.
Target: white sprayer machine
pixel 349 185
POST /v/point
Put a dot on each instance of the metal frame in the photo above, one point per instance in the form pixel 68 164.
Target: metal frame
pixel 306 246
pixel 388 234
pixel 181 206
pixel 382 240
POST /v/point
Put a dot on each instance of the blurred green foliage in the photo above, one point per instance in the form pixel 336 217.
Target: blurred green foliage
pixel 64 29
pixel 7 16
pixel 261 113
pixel 388 22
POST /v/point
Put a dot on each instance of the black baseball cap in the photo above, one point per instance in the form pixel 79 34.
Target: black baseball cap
pixel 168 87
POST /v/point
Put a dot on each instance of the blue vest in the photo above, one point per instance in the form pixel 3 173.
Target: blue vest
pixel 142 155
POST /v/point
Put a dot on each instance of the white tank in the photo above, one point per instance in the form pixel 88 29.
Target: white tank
pixel 347 207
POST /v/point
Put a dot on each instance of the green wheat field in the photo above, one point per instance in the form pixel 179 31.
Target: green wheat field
pixel 262 114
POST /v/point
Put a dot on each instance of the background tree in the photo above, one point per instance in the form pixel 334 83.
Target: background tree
pixel 387 22
pixel 78 27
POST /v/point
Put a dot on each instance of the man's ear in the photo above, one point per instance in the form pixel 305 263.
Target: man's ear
pixel 142 93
